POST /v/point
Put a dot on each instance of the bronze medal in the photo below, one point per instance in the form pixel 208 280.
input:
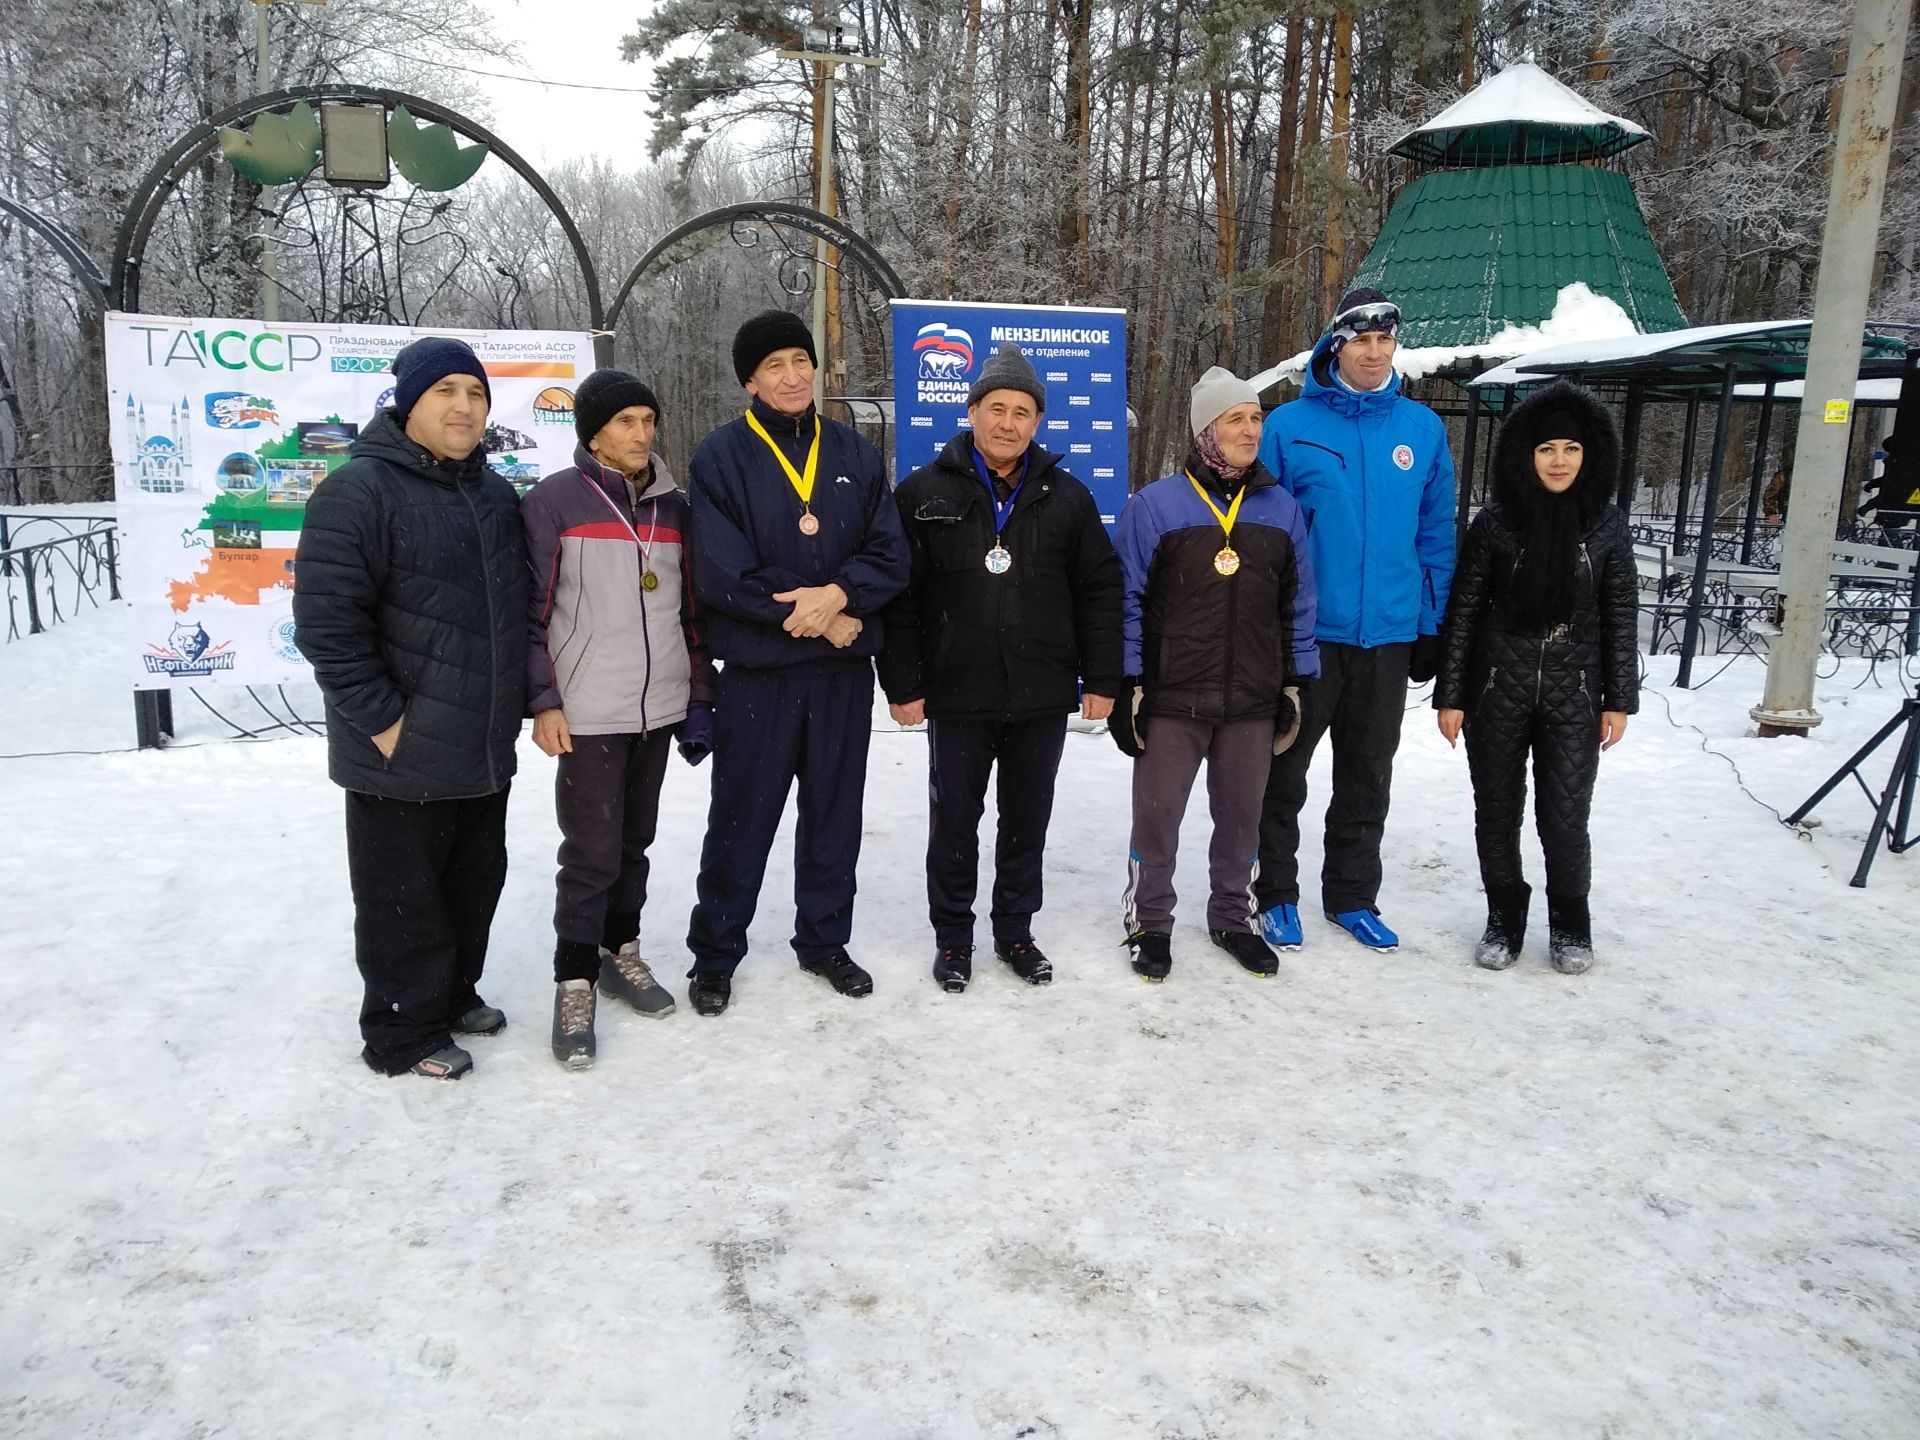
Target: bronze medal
pixel 1227 561
pixel 649 580
pixel 809 523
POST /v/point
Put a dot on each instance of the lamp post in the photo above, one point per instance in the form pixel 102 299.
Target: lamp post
pixel 827 49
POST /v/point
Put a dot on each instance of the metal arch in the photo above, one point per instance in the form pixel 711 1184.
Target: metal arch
pixel 770 212
pixel 151 193
pixel 64 244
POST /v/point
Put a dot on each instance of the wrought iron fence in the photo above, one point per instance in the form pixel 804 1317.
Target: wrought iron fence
pixel 47 580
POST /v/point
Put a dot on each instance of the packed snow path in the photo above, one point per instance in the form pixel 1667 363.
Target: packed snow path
pixel 1380 1195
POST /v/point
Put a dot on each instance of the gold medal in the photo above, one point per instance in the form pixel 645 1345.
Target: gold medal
pixel 1227 559
pixel 801 480
pixel 649 580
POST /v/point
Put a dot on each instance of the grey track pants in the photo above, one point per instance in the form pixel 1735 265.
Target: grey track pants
pixel 1237 756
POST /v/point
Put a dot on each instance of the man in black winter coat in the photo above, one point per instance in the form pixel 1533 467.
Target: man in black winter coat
pixel 410 600
pixel 1015 598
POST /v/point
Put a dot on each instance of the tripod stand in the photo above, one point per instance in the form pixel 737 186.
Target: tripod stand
pixel 1900 787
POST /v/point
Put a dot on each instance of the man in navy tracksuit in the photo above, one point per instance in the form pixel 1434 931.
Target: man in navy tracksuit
pixel 796 548
pixel 1372 474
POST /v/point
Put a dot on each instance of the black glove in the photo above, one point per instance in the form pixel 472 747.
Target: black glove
pixel 1127 724
pixel 1424 663
pixel 695 733
pixel 1293 710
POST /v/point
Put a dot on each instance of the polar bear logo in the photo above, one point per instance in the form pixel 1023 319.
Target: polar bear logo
pixel 942 365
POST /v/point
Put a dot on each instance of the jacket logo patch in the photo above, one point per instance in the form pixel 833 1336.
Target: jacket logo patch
pixel 1403 456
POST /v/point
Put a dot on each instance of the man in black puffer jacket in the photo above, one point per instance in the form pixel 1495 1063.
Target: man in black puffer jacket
pixel 1540 656
pixel 1014 600
pixel 410 600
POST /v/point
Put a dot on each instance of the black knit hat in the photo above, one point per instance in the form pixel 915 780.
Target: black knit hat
pixel 1008 370
pixel 603 395
pixel 1557 422
pixel 765 333
pixel 426 362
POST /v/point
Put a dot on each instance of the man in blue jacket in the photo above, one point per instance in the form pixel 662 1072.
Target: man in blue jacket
pixel 796 548
pixel 1372 474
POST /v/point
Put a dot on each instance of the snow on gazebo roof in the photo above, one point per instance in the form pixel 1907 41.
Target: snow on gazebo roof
pixel 1578 315
pixel 1522 116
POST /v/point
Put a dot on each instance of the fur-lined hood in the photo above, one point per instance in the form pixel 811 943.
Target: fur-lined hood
pixel 1514 482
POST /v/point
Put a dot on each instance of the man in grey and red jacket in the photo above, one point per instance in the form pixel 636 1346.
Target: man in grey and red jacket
pixel 615 669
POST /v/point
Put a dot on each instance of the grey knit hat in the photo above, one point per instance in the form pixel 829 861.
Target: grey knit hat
pixel 1008 370
pixel 1219 391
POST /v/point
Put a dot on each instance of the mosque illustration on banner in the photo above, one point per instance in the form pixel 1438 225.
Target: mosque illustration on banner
pixel 160 460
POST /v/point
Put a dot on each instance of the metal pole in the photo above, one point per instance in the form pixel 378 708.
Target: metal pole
pixel 1856 190
pixel 1755 486
pixel 1466 470
pixel 1630 448
pixel 827 70
pixel 262 83
pixel 1686 476
pixel 1710 503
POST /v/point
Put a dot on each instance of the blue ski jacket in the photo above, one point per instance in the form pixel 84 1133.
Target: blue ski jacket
pixel 1374 478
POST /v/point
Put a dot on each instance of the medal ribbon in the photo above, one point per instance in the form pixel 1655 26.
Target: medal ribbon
pixel 645 546
pixel 1233 510
pixel 1000 512
pixel 802 483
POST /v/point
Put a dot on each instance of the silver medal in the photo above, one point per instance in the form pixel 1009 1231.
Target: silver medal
pixel 998 560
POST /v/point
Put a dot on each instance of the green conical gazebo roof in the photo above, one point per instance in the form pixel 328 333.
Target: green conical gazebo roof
pixel 1469 253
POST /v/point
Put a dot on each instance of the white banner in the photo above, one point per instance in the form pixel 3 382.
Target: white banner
pixel 222 429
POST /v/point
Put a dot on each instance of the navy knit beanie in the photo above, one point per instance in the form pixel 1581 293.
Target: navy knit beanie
pixel 765 333
pixel 428 361
pixel 603 395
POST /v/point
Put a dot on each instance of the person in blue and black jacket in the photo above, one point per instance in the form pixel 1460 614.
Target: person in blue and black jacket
pixel 797 547
pixel 1372 473
pixel 1218 624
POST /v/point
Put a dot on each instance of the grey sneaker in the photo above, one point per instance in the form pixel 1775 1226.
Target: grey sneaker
pixel 573 1043
pixel 448 1064
pixel 625 974
pixel 482 1019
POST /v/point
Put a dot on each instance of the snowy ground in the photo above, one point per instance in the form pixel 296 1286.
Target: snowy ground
pixel 1379 1196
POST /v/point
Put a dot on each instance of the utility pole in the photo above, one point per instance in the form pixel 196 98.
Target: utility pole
pixel 827 50
pixel 262 83
pixel 1854 197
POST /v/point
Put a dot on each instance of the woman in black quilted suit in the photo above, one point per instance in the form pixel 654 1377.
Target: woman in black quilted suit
pixel 1540 658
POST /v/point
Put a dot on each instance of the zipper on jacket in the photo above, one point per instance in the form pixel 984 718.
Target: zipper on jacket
pixel 493 631
pixel 646 633
pixel 1316 445
pixel 1360 449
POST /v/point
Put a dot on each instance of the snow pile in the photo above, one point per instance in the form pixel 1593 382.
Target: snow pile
pixel 1579 314
pixel 1383 1195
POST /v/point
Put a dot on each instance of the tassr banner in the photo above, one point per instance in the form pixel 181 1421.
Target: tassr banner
pixel 222 430
pixel 940 346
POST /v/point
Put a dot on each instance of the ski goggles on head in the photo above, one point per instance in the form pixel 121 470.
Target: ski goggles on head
pixel 1378 316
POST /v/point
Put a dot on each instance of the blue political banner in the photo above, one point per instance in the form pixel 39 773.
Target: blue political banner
pixel 1080 354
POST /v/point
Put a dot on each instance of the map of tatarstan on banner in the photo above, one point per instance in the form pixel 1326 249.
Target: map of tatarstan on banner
pixel 222 430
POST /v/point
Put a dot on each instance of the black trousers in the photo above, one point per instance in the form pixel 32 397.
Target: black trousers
pixel 606 795
pixel 1360 702
pixel 771 728
pixel 426 876
pixel 1566 762
pixel 961 755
